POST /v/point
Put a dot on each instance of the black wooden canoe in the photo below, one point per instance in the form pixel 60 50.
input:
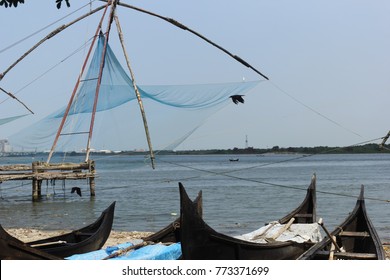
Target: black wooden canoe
pixel 201 242
pixel 86 239
pixel 356 238
pixel 12 248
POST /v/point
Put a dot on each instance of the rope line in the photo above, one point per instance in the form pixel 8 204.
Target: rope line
pixel 286 160
pixel 49 70
pixel 268 183
pixel 313 110
pixel 226 173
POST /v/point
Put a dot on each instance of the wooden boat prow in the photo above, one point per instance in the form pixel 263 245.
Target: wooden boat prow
pixel 356 237
pixel 12 248
pixel 305 213
pixel 200 241
pixel 171 233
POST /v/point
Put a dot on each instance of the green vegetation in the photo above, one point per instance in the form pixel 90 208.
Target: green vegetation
pixel 368 148
pixel 363 149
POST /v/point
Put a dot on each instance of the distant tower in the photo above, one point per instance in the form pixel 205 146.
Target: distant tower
pixel 246 141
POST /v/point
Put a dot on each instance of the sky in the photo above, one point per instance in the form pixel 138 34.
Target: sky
pixel 328 64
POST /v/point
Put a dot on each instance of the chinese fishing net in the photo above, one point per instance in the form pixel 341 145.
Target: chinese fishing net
pixel 173 112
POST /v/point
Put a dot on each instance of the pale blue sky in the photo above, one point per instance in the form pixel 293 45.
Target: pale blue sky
pixel 330 57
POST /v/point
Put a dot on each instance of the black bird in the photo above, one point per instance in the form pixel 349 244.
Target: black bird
pixel 237 98
pixel 77 190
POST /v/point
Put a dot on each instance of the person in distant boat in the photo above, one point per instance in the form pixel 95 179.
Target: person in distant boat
pixel 76 190
pixel 237 98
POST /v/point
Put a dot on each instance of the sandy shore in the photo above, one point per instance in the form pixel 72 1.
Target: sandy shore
pixel 116 237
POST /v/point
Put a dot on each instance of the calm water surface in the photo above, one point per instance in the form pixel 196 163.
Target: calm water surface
pixel 237 196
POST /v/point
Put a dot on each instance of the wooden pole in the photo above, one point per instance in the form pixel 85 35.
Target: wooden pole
pixel 382 145
pixel 261 235
pixel 141 106
pixel 14 97
pixel 283 229
pixel 127 249
pixel 332 248
pixel 36 184
pixel 111 17
pixel 66 113
pixel 331 237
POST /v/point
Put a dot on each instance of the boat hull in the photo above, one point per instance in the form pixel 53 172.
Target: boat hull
pixel 356 238
pixel 86 239
pixel 201 242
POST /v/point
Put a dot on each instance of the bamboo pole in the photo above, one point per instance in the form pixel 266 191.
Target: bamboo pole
pixel 283 229
pixel 128 249
pixel 382 145
pixel 141 106
pixel 50 35
pixel 76 87
pixel 332 248
pixel 263 234
pixel 14 97
pixel 111 17
pixel 331 237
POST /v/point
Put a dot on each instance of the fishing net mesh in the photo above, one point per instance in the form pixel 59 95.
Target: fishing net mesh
pixel 173 112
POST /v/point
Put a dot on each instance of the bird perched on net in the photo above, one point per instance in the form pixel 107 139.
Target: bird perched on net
pixel 237 98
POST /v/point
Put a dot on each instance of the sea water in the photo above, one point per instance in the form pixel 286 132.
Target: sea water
pixel 238 196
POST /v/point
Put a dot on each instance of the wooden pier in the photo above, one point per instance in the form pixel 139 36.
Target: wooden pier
pixel 40 171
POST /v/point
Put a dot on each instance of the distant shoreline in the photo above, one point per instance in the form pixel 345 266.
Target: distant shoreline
pixel 359 149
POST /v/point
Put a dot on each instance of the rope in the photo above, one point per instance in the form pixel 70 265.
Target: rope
pixel 240 60
pixel 50 35
pixel 182 26
pixel 273 163
pixel 226 173
pixel 267 183
pixel 313 110
pixel 50 69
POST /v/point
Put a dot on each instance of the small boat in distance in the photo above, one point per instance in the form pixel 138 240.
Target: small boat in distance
pixel 354 239
pixel 201 242
pixel 86 239
pixel 234 159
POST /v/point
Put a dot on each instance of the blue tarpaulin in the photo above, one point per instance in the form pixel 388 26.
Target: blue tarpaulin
pixel 149 252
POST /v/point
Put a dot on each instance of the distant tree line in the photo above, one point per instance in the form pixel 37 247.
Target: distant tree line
pixel 368 148
pixel 363 149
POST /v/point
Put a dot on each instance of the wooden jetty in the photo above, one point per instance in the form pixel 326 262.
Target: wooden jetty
pixel 39 171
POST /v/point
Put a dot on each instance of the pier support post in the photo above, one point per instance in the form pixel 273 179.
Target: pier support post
pixel 92 179
pixel 36 184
